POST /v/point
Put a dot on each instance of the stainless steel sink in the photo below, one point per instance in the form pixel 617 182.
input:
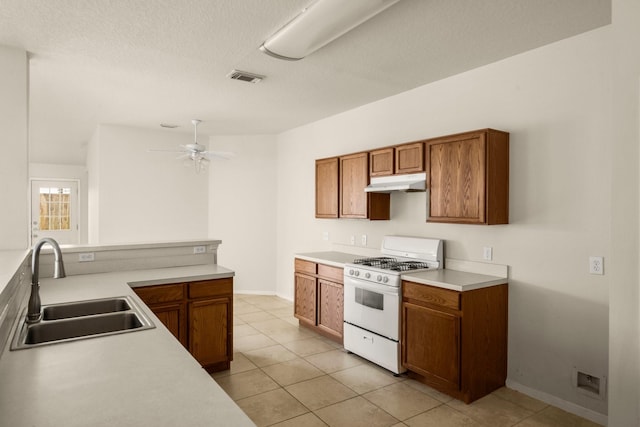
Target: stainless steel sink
pixel 81 320
pixel 85 308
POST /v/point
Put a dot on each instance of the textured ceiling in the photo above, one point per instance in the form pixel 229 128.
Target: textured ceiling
pixel 143 62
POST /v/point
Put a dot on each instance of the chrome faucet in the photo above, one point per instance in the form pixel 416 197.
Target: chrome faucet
pixel 33 314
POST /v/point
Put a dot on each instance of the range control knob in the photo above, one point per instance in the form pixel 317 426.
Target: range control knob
pixel 351 272
pixel 385 279
pixel 357 273
pixel 367 275
pixel 379 278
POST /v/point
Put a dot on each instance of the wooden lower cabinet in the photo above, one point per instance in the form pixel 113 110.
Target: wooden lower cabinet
pixel 319 298
pixel 433 344
pixel 455 342
pixel 199 314
pixel 331 308
pixel 173 316
pixel 208 331
pixel 305 299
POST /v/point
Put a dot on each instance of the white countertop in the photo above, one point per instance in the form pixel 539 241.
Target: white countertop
pixel 447 278
pixel 455 280
pixel 335 259
pixel 143 378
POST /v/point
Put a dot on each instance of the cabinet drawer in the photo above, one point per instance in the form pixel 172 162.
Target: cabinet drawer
pixel 431 295
pixel 160 293
pixel 211 288
pixel 334 274
pixel 302 266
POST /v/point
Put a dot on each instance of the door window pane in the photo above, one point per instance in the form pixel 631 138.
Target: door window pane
pixel 54 208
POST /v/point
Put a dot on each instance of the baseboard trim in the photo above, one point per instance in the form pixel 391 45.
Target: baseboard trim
pixel 247 292
pixel 571 407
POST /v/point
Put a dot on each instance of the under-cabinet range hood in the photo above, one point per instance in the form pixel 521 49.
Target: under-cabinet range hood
pixel 387 184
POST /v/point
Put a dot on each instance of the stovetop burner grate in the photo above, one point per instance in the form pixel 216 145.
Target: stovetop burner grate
pixel 380 262
pixel 388 263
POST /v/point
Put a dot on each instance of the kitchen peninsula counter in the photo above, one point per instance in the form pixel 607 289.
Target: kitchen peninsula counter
pixel 143 378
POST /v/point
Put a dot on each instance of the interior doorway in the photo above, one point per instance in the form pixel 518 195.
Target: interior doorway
pixel 54 210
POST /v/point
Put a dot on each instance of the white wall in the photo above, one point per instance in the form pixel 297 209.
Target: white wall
pixel 75 172
pixel 555 102
pixel 242 210
pixel 624 354
pixel 143 196
pixel 14 167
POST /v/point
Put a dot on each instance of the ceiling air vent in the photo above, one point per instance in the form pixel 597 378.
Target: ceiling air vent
pixel 245 76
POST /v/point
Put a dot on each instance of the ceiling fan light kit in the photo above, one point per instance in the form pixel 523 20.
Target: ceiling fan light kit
pixel 196 154
pixel 320 23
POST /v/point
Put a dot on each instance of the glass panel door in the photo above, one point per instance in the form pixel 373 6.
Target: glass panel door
pixel 54 211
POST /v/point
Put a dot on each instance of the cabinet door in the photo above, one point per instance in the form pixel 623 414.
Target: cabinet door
pixel 209 330
pixel 410 158
pixel 381 162
pixel 457 179
pixel 431 344
pixel 305 298
pixel 327 188
pixel 330 307
pixel 354 177
pixel 173 317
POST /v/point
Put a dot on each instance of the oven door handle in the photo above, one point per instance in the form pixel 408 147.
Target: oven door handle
pixel 381 289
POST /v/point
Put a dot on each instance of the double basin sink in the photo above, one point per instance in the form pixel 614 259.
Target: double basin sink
pixel 80 320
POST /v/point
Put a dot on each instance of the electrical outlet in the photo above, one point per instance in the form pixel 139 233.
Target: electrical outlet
pixel 487 253
pixel 596 265
pixel 353 240
pixel 86 257
pixel 199 249
pixel 325 235
pixel 364 240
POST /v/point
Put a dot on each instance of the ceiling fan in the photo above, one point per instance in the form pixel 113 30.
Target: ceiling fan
pixel 197 153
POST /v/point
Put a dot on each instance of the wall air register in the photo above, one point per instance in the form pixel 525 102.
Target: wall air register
pixel 245 76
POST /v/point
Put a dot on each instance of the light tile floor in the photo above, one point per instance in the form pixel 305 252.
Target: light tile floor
pixel 286 375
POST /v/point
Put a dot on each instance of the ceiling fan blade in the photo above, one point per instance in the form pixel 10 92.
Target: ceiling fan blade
pixel 165 151
pixel 183 156
pixel 221 154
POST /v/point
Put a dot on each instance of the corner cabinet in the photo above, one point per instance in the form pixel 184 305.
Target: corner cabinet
pixel 468 178
pixel 199 314
pixel 455 342
pixel 354 201
pixel 319 298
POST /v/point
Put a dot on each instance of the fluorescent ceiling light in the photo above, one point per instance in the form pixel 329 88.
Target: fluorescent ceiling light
pixel 320 23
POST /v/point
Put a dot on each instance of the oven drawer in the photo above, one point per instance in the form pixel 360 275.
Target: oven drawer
pixel 373 347
pixel 431 295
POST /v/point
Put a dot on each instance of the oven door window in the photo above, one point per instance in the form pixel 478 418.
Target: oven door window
pixel 370 299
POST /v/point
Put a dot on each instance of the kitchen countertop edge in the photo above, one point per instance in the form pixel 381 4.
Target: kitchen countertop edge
pixel 454 280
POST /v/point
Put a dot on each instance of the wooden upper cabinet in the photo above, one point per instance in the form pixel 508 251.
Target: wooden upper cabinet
pixel 381 162
pixel 354 202
pixel 468 178
pixel 327 188
pixel 410 158
pixel 406 158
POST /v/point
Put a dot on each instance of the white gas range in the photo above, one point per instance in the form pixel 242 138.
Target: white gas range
pixel 373 297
